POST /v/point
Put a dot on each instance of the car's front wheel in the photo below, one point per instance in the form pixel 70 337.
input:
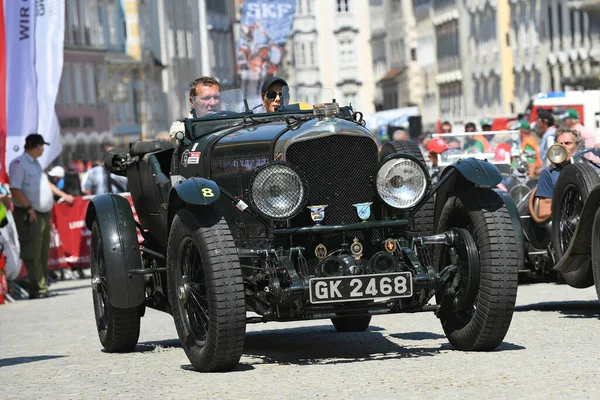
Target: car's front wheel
pixel 596 252
pixel 206 291
pixel 477 310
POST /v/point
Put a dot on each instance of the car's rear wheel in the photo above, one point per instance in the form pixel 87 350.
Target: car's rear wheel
pixel 358 323
pixel 206 291
pixel 572 189
pixel 118 328
pixel 476 316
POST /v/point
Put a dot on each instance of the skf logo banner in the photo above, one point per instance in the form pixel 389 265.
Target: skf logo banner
pixel 265 26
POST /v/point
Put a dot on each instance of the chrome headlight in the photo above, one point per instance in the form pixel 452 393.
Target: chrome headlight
pixel 557 154
pixel 277 192
pixel 402 182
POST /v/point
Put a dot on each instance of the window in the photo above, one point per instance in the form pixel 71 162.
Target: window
pixel 346 50
pixel 101 82
pixel 299 54
pixel 309 7
pixel 342 5
pixel 396 5
pixel 313 54
pixel 413 54
pixel 299 8
pixel 91 84
pixel 78 80
pixel 65 85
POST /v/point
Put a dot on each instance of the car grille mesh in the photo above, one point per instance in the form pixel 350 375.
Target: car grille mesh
pixel 337 170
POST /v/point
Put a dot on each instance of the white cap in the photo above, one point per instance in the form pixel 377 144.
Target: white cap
pixel 57 172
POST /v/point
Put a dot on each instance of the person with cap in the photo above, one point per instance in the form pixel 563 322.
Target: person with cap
pixel 204 98
pixel 272 93
pixel 572 120
pixel 33 199
pixel 529 147
pixel 546 130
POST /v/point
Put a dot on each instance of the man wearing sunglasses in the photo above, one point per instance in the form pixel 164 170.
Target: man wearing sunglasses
pixel 204 98
pixel 272 93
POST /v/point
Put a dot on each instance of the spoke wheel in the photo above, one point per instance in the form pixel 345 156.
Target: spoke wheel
pixel 574 185
pixel 118 329
pixel 206 290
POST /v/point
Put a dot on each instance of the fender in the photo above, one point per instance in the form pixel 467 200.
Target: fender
pixel 579 252
pixel 479 172
pixel 515 217
pixel 120 244
pixel 197 191
pixel 466 172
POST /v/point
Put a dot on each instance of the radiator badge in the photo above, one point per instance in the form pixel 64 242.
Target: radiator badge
pixel 364 210
pixel 390 246
pixel 356 248
pixel 317 213
pixel 184 157
pixel 321 251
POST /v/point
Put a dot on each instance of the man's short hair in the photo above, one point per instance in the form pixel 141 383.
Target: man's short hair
pixel 546 116
pixel 446 123
pixel 470 125
pixel 576 134
pixel 204 81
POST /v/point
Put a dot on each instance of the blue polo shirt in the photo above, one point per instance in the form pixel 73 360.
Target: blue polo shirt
pixel 547 182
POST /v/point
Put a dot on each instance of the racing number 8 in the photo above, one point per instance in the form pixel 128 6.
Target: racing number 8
pixel 207 192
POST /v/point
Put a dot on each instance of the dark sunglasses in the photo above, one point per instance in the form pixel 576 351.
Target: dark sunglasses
pixel 272 95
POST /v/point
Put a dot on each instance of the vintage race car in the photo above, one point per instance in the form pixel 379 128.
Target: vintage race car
pixel 297 215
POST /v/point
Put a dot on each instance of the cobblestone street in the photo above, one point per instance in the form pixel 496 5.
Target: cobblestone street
pixel 50 349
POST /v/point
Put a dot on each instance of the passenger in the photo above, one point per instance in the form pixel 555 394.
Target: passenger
pixel 204 98
pixel 272 92
pixel 530 148
pixel 568 138
pixel 477 143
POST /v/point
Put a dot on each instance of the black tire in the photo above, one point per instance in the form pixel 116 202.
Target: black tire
pixel 351 324
pixel 422 223
pixel 575 183
pixel 118 328
pixel 482 325
pixel 203 265
pixel 596 252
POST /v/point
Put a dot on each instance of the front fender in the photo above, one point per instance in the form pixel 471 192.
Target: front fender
pixel 120 246
pixel 479 172
pixel 579 252
pixel 197 191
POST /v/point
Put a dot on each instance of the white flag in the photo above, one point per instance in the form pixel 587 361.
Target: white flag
pixel 49 43
pixel 21 94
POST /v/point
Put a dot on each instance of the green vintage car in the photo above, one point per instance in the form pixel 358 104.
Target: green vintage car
pixel 297 215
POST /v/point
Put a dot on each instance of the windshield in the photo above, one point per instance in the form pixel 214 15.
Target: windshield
pixel 498 147
pixel 293 98
pixel 215 103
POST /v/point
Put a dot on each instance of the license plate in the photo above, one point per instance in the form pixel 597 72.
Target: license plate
pixel 361 287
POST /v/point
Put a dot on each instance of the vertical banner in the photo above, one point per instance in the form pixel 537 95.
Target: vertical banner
pixel 3 173
pixel 264 28
pixel 21 92
pixel 49 44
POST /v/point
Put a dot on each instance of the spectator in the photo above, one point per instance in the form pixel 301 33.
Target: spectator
pixel 529 148
pixel 33 200
pixel 400 134
pixel 546 130
pixel 451 142
pixel 72 183
pixel 100 181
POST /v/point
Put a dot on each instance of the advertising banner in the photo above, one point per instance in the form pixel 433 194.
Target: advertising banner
pixel 21 88
pixel 264 29
pixel 49 44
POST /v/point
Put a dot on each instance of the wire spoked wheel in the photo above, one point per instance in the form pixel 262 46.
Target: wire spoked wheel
pixel 206 290
pixel 118 328
pixel 192 292
pixel 570 210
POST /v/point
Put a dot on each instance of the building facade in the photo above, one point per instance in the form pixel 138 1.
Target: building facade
pixel 427 62
pixel 329 47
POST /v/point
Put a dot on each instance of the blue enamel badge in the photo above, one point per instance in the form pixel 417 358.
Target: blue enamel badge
pixel 364 210
pixel 317 213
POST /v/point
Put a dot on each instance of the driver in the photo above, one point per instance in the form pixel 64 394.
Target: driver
pixel 271 93
pixel 204 98
pixel 569 139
